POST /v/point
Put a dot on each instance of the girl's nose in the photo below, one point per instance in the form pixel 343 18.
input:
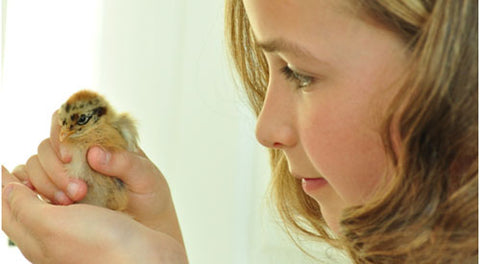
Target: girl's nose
pixel 276 122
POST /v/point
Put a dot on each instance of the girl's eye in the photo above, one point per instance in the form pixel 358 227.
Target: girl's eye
pixel 300 80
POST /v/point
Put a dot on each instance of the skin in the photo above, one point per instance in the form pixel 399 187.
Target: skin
pixel 34 224
pixel 330 128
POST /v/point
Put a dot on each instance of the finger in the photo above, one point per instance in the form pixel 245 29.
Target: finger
pixel 133 169
pixel 53 166
pixel 55 170
pixel 21 174
pixel 13 224
pixel 7 177
pixel 60 150
pixel 42 183
pixel 23 204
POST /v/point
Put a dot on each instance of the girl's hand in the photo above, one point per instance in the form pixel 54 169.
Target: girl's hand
pixel 79 233
pixel 150 202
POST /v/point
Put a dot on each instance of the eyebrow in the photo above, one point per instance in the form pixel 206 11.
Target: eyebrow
pixel 283 45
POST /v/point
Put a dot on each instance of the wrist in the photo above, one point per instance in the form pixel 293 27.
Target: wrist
pixel 164 219
pixel 168 224
pixel 168 249
pixel 150 246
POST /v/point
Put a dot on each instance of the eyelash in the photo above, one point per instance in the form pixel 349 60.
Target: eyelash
pixel 300 80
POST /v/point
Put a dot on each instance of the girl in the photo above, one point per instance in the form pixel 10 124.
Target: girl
pixel 369 109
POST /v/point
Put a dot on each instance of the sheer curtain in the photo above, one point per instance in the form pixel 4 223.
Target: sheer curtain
pixel 165 63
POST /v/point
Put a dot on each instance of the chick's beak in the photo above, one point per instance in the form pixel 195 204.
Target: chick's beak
pixel 64 133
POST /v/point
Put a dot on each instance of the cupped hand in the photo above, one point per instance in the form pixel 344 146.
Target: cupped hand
pixel 79 233
pixel 150 202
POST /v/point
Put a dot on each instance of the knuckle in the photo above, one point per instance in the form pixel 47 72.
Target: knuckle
pixel 20 172
pixel 130 163
pixel 149 165
pixel 122 160
pixel 135 162
pixel 43 145
pixel 31 162
pixel 19 168
pixel 58 177
pixel 18 212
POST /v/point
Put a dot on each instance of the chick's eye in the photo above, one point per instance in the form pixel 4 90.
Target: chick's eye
pixel 300 80
pixel 83 119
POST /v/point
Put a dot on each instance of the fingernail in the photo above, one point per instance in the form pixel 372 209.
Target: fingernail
pixel 72 189
pixel 8 192
pixel 60 197
pixel 103 156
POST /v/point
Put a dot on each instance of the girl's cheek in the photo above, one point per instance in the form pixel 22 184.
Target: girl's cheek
pixel 352 162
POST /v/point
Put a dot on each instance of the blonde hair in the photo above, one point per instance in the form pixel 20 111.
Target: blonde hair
pixel 428 212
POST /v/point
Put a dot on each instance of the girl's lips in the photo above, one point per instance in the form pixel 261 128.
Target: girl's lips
pixel 313 184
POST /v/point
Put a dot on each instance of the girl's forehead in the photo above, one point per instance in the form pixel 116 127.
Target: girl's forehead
pixel 327 30
pixel 265 15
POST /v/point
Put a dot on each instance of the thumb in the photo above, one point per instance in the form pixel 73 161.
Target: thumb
pixel 23 202
pixel 135 170
pixel 23 217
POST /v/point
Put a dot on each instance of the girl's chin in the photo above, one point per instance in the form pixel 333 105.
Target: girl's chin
pixel 331 207
pixel 333 221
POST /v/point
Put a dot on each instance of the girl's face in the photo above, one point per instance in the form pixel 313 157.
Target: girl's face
pixel 330 79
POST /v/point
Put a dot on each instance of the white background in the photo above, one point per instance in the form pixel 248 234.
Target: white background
pixel 165 63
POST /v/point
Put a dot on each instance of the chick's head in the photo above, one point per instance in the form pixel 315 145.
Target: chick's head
pixel 83 111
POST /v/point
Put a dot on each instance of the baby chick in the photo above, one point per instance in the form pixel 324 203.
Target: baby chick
pixel 87 119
